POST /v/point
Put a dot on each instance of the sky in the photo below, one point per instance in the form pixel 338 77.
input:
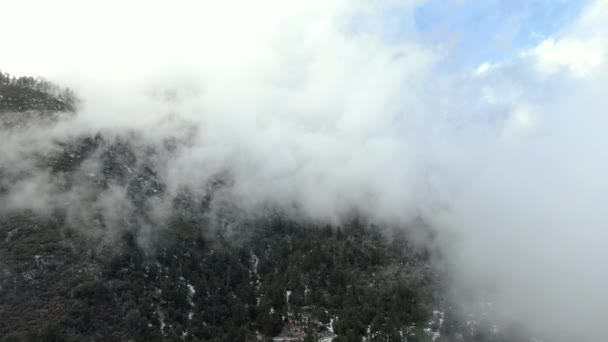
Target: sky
pixel 493 30
pixel 484 118
pixel 472 32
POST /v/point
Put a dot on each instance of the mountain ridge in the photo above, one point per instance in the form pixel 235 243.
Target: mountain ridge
pixel 99 264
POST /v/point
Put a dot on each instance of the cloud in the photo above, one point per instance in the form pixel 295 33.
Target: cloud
pixel 528 229
pixel 580 58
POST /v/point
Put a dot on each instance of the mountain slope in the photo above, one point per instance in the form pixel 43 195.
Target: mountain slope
pixel 99 265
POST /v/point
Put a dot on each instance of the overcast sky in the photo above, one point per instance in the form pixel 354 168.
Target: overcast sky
pixel 78 36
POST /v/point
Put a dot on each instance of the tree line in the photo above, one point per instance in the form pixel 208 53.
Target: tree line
pixel 40 84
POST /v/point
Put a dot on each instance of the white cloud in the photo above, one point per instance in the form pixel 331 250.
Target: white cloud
pixel 483 68
pixel 579 57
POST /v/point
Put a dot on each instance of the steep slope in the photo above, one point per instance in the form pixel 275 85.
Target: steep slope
pixel 82 271
pixel 17 98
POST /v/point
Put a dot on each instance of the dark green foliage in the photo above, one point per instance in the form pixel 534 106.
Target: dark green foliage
pixel 192 278
pixel 127 291
pixel 28 93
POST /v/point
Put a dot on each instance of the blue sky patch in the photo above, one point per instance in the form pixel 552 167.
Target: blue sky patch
pixel 477 31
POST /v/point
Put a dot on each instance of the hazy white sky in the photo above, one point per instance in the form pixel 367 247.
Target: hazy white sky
pixel 110 38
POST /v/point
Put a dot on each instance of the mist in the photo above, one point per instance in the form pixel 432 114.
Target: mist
pixel 322 109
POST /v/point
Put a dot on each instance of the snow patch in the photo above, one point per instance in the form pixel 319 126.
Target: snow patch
pixel 287 294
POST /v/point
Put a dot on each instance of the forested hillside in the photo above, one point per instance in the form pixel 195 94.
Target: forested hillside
pixel 29 93
pixel 203 274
